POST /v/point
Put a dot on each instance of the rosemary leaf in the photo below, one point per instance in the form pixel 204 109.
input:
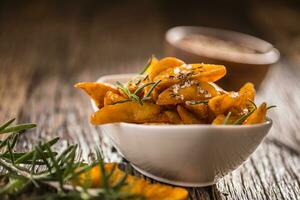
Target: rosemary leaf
pixel 148 64
pixel 142 87
pixel 17 128
pixel 243 117
pixel 29 154
pixel 6 124
pixel 122 101
pixel 152 88
pixel 270 107
pixel 227 118
pixel 198 102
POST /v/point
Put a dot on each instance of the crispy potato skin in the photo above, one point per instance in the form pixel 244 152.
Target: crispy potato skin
pixel 200 110
pixel 258 116
pixel 199 91
pixel 222 103
pixel 126 112
pixel 219 119
pixel 198 72
pixel 96 91
pixel 163 64
pixel 133 185
pixel 173 117
pixel 187 117
pixel 111 98
pixel 180 94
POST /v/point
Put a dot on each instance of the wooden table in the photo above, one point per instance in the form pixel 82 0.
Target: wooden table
pixel 47 46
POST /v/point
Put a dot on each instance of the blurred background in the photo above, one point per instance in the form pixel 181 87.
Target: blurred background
pixel 126 32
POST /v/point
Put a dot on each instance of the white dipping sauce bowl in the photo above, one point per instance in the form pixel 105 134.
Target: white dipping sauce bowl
pixel 183 155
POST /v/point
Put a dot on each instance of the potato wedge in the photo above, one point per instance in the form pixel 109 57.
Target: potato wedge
pixel 187 117
pixel 173 117
pixel 126 112
pixel 258 116
pixel 219 120
pixel 152 63
pixel 112 98
pixel 198 72
pixel 246 94
pixel 96 91
pixel 222 103
pixel 189 90
pixel 163 64
pixel 200 110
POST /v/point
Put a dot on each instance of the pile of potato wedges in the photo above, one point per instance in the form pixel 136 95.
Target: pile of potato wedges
pixel 169 91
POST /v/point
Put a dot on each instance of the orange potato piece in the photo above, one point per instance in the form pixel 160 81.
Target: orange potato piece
pixel 126 112
pixel 163 64
pixel 246 93
pixel 222 103
pixel 200 110
pixel 248 90
pixel 258 116
pixel 187 117
pixel 133 185
pixel 199 72
pixel 173 117
pixel 219 119
pixel 112 98
pixel 187 91
pixel 96 91
pixel 152 64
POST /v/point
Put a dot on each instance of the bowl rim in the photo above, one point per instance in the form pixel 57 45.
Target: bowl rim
pixel 268 121
pixel 271 56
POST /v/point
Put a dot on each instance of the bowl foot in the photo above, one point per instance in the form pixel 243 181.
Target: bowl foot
pixel 172 182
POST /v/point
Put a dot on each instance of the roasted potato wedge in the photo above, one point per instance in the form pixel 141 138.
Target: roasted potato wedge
pixel 221 119
pixel 173 117
pixel 187 117
pixel 258 116
pixel 222 103
pixel 96 91
pixel 198 72
pixel 163 64
pixel 126 112
pixel 189 90
pixel 200 110
pixel 112 98
pixel 168 91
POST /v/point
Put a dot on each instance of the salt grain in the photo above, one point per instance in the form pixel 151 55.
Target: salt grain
pixel 176 70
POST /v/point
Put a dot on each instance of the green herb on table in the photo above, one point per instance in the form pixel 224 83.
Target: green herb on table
pixel 42 173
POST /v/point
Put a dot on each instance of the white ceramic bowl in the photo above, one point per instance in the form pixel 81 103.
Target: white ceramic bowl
pixel 185 155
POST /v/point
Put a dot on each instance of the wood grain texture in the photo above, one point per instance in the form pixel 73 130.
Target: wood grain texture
pixel 47 46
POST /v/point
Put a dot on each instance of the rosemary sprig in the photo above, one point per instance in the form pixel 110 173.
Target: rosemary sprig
pixel 148 64
pixel 47 173
pixel 270 107
pixel 135 95
pixel 227 118
pixel 245 116
pixel 198 102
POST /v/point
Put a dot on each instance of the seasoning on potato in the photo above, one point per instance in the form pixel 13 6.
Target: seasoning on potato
pixel 169 91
